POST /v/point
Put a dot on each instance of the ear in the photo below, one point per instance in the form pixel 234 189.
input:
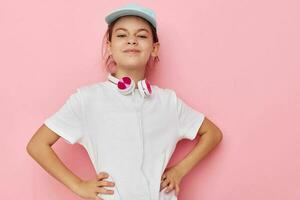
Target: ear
pixel 108 47
pixel 155 49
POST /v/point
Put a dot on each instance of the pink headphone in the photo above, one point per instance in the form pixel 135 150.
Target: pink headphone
pixel 126 85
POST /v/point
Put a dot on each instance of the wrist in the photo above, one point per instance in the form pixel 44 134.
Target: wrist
pixel 75 185
pixel 181 170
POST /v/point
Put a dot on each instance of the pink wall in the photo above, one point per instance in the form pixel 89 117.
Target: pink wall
pixel 240 57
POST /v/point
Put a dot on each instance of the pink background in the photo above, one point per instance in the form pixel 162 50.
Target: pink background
pixel 236 61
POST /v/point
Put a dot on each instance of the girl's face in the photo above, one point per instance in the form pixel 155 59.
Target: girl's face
pixel 131 43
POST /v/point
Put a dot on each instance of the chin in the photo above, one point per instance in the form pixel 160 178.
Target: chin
pixel 131 65
pixel 128 66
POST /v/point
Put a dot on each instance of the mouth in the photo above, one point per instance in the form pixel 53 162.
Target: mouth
pixel 132 52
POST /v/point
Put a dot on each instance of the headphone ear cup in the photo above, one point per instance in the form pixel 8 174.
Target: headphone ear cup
pixel 121 85
pixel 127 80
pixel 144 88
pixel 126 85
pixel 148 86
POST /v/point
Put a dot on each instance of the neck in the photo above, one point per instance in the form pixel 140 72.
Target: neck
pixel 133 74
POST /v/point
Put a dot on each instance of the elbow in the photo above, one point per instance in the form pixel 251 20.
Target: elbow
pixel 29 149
pixel 32 148
pixel 215 135
pixel 219 135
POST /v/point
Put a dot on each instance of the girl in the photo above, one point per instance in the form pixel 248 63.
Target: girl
pixel 128 126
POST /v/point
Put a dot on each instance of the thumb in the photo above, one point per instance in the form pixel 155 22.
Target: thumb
pixel 177 189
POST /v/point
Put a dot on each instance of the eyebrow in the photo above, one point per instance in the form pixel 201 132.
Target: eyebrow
pixel 138 30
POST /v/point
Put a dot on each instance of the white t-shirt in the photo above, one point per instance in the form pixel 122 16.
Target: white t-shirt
pixel 130 137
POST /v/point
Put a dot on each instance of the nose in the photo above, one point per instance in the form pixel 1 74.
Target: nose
pixel 132 40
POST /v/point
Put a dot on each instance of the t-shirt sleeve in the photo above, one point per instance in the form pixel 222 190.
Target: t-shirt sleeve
pixel 189 119
pixel 67 122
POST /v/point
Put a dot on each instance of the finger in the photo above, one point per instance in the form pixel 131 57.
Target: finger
pixel 162 186
pixel 170 187
pixel 163 177
pixel 165 183
pixel 104 191
pixel 105 183
pixel 102 175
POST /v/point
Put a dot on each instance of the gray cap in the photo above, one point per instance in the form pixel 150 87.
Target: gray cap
pixel 132 9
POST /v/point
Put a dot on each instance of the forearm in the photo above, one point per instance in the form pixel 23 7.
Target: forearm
pixel 205 144
pixel 48 160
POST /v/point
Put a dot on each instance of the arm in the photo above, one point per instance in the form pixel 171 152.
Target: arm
pixel 39 148
pixel 211 135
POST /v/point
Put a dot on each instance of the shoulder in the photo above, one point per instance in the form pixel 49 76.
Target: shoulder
pixel 89 88
pixel 88 91
pixel 164 92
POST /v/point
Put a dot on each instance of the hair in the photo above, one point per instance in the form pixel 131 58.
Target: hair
pixel 108 61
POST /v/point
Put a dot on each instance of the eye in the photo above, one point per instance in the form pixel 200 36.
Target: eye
pixel 123 35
